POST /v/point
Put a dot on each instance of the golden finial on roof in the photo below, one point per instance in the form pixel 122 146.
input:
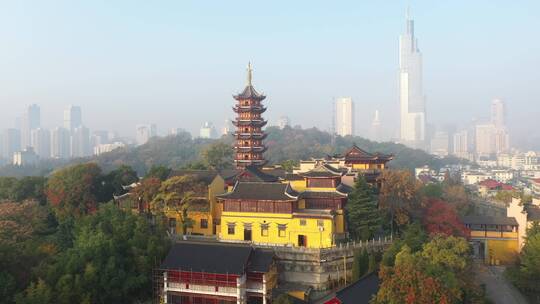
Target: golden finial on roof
pixel 249 74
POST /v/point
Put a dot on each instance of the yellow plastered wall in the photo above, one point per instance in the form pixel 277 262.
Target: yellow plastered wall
pixel 297 185
pixel 505 251
pixel 196 218
pixel 339 221
pixel 367 166
pixel 316 238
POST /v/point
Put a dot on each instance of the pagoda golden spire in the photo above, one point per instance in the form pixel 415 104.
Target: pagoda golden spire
pixel 249 74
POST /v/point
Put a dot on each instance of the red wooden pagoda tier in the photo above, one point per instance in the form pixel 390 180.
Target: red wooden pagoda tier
pixel 249 147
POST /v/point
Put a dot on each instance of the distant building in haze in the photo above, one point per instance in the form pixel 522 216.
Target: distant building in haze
pixel 207 131
pixel 493 137
pixel 72 117
pixel 60 143
pixel 411 95
pixel 283 122
pixel 227 127
pixel 11 143
pixel 144 133
pixel 461 144
pixel 375 131
pixel 344 120
pixel 440 143
pixel 26 157
pixel 80 142
pixel 40 141
pixel 105 148
pixel 30 121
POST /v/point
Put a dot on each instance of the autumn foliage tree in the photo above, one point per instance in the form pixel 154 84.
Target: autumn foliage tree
pixel 436 274
pixel 442 218
pixel 399 196
pixel 73 191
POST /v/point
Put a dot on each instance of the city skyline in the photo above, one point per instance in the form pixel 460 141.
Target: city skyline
pixel 159 93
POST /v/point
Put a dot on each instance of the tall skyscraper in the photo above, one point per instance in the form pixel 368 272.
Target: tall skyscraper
pixel 375 131
pixel 72 117
pixel 144 133
pixel 344 120
pixel 30 121
pixel 498 115
pixel 412 99
pixel 40 141
pixel 60 143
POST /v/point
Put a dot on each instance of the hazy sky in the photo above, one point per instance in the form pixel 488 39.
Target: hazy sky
pixel 177 63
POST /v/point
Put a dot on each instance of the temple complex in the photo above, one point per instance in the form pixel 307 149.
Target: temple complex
pixel 249 147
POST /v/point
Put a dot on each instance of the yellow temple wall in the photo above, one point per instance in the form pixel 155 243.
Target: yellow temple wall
pixel 502 251
pixel 316 238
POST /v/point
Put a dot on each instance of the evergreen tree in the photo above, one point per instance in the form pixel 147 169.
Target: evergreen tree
pixel 363 216
pixel 360 264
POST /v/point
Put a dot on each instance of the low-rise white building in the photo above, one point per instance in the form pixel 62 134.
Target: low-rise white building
pixel 100 149
pixel 26 157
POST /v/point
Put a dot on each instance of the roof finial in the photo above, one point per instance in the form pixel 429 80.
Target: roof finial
pixel 249 74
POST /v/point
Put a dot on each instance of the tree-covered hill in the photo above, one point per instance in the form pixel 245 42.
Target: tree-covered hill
pixel 283 144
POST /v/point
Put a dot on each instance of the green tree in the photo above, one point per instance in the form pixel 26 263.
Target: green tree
pixel 73 191
pixel 159 172
pixel 363 216
pixel 436 274
pixel 433 190
pixel 360 264
pixel 526 274
pixel 114 181
pixel 36 293
pixel 113 253
pixel 177 194
pixel 288 165
pixel 218 156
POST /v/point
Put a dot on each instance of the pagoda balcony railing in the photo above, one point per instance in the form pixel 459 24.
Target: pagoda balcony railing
pixel 259 149
pixel 247 135
pixel 247 109
pixel 202 289
pixel 248 161
pixel 250 122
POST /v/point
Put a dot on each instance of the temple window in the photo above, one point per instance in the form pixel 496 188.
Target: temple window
pixel 230 228
pixel 282 228
pixel 302 222
pixel 264 229
pixel 320 223
pixel 204 223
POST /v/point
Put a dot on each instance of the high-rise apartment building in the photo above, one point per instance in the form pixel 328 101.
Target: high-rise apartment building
pixel 498 113
pixel 144 133
pixel 30 121
pixel 11 143
pixel 375 131
pixel 485 139
pixel 80 142
pixel 411 95
pixel 60 143
pixel 72 118
pixel 40 141
pixel 461 144
pixel 344 120
pixel 440 143
pixel 207 130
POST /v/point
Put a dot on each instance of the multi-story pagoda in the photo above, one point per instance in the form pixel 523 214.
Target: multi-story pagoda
pixel 249 147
